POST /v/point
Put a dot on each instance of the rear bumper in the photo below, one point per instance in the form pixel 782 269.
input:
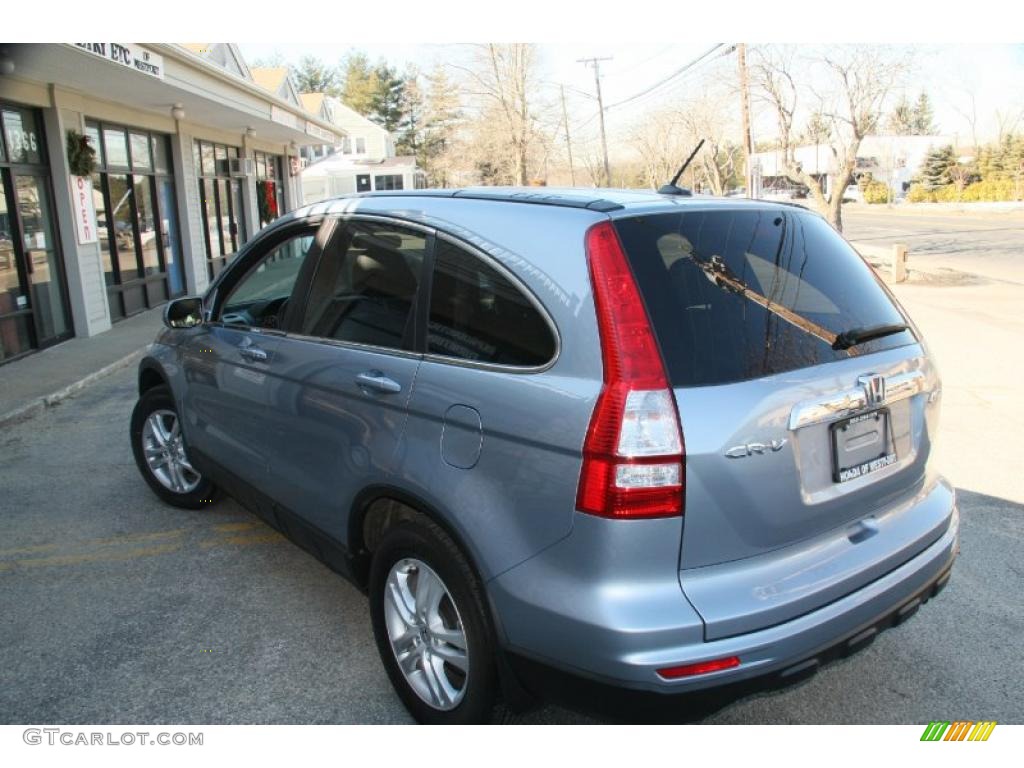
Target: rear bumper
pixel 621 635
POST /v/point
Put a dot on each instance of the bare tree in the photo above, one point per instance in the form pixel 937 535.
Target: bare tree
pixel 855 82
pixel 1007 121
pixel 659 140
pixel 707 117
pixel 969 112
pixel 504 76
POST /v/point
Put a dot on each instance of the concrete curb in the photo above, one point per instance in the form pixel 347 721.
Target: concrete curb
pixel 39 404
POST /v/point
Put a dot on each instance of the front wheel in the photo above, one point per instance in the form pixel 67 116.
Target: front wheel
pixel 161 454
pixel 431 627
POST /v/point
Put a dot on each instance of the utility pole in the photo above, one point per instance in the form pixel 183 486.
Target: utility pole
pixel 568 141
pixel 595 63
pixel 748 144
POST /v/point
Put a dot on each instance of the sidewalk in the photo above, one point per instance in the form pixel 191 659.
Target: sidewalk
pixel 45 378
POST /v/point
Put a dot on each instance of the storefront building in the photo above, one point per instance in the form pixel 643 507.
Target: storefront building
pixel 192 158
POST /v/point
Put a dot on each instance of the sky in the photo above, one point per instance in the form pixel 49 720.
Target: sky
pixel 950 73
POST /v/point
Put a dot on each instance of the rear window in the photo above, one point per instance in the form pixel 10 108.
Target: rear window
pixel 707 276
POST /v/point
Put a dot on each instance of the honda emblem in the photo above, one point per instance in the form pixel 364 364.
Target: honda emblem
pixel 874 389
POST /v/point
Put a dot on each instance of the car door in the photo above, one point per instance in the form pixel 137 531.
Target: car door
pixel 227 360
pixel 344 371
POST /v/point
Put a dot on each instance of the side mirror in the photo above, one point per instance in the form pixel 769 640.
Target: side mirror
pixel 186 312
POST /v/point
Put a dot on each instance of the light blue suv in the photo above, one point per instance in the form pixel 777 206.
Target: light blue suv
pixel 658 441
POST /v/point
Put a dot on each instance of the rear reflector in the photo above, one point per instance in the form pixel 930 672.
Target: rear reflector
pixel 633 452
pixel 700 668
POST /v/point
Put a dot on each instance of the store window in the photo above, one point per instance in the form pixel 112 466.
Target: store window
pixel 389 181
pixel 269 186
pixel 136 217
pixel 220 196
pixel 33 296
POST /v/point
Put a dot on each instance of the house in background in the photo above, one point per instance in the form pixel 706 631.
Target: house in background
pixel 363 161
pixel 894 160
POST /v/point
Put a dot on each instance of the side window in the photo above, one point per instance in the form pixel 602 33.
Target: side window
pixel 477 314
pixel 365 287
pixel 260 298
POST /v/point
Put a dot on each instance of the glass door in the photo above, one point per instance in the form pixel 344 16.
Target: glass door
pixel 15 312
pixel 221 203
pixel 136 214
pixel 41 259
pixel 33 299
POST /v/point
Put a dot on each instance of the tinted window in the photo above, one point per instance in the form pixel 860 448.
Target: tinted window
pixel 365 286
pixel 693 269
pixel 477 314
pixel 259 299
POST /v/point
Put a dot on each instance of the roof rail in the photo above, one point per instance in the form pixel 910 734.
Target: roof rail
pixel 542 198
pixel 536 198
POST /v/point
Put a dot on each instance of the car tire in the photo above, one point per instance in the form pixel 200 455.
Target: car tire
pixel 439 686
pixel 161 453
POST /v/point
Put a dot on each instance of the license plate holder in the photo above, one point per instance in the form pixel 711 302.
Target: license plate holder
pixel 861 444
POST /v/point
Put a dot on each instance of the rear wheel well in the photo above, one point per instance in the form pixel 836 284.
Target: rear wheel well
pixel 380 515
pixel 149 378
pixel 378 511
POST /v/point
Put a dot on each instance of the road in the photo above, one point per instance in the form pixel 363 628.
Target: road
pixel 987 244
pixel 119 609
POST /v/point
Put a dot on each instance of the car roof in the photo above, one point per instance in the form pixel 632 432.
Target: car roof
pixel 614 202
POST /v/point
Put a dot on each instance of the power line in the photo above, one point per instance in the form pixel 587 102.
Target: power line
pixel 673 89
pixel 661 52
pixel 668 79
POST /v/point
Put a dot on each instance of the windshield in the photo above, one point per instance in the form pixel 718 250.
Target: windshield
pixel 739 294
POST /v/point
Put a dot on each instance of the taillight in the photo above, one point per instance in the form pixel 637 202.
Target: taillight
pixel 633 453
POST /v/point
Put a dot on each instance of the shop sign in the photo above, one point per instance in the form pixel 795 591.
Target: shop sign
pixel 284 117
pixel 127 55
pixel 85 213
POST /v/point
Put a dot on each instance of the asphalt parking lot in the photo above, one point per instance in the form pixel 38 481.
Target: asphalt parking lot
pixel 118 609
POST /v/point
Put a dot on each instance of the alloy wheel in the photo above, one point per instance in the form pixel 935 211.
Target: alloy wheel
pixel 164 449
pixel 426 634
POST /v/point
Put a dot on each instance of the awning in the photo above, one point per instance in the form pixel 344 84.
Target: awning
pixel 153 78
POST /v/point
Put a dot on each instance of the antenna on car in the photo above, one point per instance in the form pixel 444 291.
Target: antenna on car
pixel 671 188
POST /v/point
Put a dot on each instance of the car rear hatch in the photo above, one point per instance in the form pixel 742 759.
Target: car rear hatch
pixel 807 407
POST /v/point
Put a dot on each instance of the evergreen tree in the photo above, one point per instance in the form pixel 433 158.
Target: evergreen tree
pixel 359 82
pixel 313 76
pixel 386 107
pixel 440 121
pixel 410 140
pixel 924 124
pixel 936 168
pixel 901 120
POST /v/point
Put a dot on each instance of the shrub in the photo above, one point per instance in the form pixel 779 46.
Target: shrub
pixel 988 191
pixel 991 190
pixel 876 192
pixel 918 194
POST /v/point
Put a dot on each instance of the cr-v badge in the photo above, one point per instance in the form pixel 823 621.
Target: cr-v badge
pixel 742 451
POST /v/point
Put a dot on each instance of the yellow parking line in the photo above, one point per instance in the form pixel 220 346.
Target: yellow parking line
pixel 231 527
pixel 267 536
pixel 94 557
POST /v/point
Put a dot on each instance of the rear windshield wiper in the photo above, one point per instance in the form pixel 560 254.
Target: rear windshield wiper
pixel 855 336
pixel 719 271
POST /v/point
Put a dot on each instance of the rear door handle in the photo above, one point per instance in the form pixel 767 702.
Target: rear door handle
pixel 253 354
pixel 377 381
